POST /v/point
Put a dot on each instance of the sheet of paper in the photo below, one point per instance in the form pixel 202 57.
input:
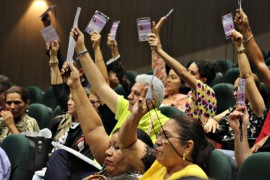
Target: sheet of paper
pixel 169 13
pixel 240 4
pixel 77 154
pixel 76 19
pixel 149 95
pixel 113 30
pixel 144 28
pixel 47 11
pixel 97 22
pixel 71 47
pixel 49 34
pixel 227 21
pixel 241 91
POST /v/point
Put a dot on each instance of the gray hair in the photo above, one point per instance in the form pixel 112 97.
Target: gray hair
pixel 158 88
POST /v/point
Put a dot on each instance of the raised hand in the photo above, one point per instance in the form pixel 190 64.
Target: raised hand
pixel 241 20
pixel 74 77
pixel 79 37
pixel 54 46
pixel 95 39
pixel 240 113
pixel 156 27
pixel 112 44
pixel 142 106
pixel 237 38
pixel 154 42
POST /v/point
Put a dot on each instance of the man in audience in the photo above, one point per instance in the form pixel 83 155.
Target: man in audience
pixel 152 121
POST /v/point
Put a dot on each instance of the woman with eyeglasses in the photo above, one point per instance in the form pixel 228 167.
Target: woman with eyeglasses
pixel 14 119
pixel 182 148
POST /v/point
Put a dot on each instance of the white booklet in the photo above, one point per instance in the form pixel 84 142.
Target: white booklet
pixel 77 154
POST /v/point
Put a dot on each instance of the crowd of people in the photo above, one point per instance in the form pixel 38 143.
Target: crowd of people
pixel 129 137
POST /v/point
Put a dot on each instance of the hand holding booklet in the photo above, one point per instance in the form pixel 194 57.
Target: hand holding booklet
pixel 77 154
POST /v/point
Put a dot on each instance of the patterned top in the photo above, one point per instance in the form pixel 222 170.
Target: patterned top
pixel 25 124
pixel 178 100
pixel 254 127
pixel 201 103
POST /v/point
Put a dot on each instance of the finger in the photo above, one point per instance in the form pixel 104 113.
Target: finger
pixel 160 23
pixel 72 67
pixel 153 27
pixel 144 91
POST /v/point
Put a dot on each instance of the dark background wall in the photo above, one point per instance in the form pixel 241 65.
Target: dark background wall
pixel 193 30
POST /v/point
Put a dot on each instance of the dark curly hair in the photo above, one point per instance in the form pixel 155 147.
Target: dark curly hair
pixel 207 69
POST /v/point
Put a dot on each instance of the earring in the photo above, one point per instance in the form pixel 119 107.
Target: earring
pixel 184 156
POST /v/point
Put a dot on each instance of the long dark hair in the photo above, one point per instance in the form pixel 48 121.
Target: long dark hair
pixel 191 129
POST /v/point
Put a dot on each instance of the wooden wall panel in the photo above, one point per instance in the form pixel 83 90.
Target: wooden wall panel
pixel 194 28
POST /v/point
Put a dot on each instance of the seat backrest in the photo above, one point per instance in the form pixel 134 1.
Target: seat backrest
pixel 50 99
pixel 218 79
pixel 255 166
pixel 231 75
pixel 121 91
pixel 170 111
pixel 35 94
pixel 17 148
pixel 224 95
pixel 131 76
pixel 219 166
pixel 57 111
pixel 41 113
pixel 223 65
pixel 265 94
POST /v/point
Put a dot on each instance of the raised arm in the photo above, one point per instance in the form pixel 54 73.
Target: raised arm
pixel 252 92
pixel 89 120
pixel 171 62
pixel 157 61
pixel 133 148
pixel 55 72
pixel 95 39
pixel 253 51
pixel 241 148
pixel 92 73
pixel 112 44
pixel 118 66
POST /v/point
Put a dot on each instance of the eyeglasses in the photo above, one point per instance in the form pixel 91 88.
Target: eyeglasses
pixel 94 102
pixel 165 135
pixel 14 102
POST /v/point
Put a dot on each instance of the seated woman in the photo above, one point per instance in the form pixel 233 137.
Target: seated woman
pixel 172 82
pixel 14 119
pixel 182 146
pixel 254 101
pixel 201 100
pixel 62 164
pixel 104 149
